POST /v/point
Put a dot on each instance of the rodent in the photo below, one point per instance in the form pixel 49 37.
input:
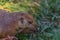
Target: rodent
pixel 12 23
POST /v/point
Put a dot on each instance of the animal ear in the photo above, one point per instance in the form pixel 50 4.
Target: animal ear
pixel 21 19
pixel 30 12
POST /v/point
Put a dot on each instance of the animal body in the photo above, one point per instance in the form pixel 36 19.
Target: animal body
pixel 12 23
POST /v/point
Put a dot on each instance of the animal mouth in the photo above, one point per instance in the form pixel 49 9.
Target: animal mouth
pixel 25 30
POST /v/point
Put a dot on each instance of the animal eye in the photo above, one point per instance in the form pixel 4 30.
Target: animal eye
pixel 29 22
pixel 21 19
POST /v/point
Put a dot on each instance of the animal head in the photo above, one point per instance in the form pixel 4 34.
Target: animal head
pixel 26 22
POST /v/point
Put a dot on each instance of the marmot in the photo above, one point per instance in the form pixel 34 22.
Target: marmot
pixel 12 23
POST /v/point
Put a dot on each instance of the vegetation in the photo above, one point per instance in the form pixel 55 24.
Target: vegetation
pixel 45 12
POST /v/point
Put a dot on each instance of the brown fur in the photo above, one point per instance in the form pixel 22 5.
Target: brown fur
pixel 12 23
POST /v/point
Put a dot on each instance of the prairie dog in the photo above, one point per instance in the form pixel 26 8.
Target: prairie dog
pixel 11 23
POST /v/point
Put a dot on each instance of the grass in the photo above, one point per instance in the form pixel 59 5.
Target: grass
pixel 46 14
